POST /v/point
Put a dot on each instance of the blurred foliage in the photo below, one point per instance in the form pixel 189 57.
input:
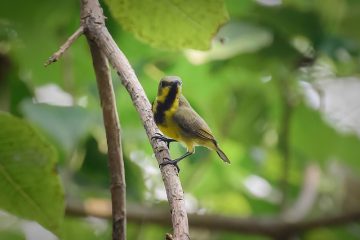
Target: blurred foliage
pixel 11 235
pixel 250 87
pixel 91 229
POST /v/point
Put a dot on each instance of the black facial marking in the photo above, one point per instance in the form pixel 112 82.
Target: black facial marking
pixel 164 83
pixel 166 105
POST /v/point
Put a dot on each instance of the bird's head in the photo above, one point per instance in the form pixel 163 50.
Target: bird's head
pixel 169 85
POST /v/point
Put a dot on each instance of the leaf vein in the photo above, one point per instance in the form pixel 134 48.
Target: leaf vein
pixel 22 193
pixel 189 17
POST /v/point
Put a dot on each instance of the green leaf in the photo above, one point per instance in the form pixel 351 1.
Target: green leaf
pixel 29 185
pixel 171 24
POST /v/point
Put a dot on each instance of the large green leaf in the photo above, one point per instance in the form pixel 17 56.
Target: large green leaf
pixel 172 24
pixel 29 185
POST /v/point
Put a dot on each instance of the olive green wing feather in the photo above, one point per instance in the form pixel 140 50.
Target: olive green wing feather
pixel 192 124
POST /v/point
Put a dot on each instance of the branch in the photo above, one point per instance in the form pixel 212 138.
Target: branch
pixel 112 128
pixel 56 56
pixel 272 227
pixel 284 137
pixel 94 28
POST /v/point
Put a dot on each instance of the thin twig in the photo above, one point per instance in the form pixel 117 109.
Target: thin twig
pixel 284 137
pixel 94 28
pixel 269 226
pixel 56 56
pixel 113 137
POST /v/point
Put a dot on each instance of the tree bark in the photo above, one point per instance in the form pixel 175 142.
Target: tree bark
pixel 113 136
pixel 92 19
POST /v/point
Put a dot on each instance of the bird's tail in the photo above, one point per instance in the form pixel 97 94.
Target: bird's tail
pixel 222 155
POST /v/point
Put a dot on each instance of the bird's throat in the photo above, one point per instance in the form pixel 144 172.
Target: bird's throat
pixel 167 101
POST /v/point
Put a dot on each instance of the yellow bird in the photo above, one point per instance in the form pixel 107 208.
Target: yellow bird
pixel 179 122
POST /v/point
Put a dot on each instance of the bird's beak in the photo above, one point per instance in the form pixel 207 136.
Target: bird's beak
pixel 178 82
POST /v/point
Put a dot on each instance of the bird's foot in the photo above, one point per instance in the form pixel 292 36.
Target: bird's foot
pixel 161 137
pixel 167 161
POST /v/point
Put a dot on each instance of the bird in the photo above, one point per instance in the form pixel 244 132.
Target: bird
pixel 179 122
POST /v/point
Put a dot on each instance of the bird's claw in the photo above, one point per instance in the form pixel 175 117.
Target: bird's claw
pixel 157 135
pixel 161 137
pixel 167 161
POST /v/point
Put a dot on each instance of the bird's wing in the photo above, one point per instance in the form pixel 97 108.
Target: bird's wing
pixel 191 123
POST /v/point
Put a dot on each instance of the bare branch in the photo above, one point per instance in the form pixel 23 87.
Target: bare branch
pixel 94 28
pixel 284 137
pixel 56 56
pixel 113 137
pixel 272 227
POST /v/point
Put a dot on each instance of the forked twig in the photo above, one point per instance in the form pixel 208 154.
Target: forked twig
pixel 56 56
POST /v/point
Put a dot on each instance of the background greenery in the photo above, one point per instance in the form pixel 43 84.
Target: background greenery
pixel 278 88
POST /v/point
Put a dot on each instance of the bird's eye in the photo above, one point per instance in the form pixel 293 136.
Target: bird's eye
pixel 161 84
